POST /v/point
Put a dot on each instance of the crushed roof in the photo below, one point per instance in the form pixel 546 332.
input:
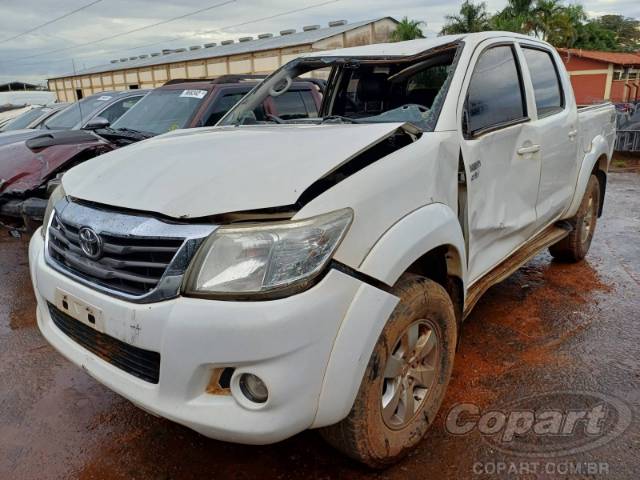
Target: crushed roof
pixel 236 48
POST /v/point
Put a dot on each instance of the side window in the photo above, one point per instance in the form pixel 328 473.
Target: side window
pixel 495 93
pixel 221 106
pixel 119 108
pixel 546 82
pixel 290 105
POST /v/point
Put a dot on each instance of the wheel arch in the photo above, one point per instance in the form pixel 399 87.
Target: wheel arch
pixel 595 162
pixel 428 242
pixel 600 170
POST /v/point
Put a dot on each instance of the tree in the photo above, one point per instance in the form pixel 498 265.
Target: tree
pixel 592 36
pixel 508 23
pixel 517 16
pixel 407 30
pixel 562 25
pixel 626 30
pixel 472 18
pixel 555 23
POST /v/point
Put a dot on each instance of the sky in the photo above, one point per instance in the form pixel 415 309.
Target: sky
pixel 80 40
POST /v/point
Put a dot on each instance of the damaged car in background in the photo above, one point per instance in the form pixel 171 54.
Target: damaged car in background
pixel 271 275
pixel 30 160
pixel 33 166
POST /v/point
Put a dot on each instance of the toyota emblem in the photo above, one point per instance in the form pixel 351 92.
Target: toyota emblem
pixel 90 243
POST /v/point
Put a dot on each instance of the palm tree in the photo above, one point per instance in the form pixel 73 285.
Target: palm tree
pixel 407 30
pixel 517 16
pixel 519 8
pixel 472 18
pixel 545 17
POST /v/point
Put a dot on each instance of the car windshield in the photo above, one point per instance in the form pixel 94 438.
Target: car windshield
pixel 24 120
pixel 361 90
pixel 78 112
pixel 162 110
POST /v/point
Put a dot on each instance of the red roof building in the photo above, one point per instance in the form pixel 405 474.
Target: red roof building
pixel 598 76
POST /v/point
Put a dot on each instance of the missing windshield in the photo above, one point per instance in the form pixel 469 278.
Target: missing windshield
pixel 362 90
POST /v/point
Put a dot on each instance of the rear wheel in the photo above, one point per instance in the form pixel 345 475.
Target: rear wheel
pixel 405 380
pixel 574 247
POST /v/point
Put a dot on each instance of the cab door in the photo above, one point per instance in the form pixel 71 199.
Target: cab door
pixel 501 154
pixel 557 125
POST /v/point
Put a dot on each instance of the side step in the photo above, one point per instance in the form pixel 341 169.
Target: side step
pixel 547 237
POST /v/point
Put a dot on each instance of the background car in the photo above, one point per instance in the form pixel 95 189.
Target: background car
pixel 106 105
pixel 202 103
pixel 34 117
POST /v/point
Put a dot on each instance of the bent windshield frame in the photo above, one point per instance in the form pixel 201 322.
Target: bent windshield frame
pixel 363 89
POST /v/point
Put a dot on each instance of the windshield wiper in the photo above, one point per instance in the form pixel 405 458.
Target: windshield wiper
pixel 136 132
pixel 340 118
pixel 123 134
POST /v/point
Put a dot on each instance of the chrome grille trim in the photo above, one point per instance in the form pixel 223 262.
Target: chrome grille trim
pixel 144 258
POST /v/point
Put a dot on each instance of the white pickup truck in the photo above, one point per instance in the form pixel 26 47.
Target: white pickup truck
pixel 262 277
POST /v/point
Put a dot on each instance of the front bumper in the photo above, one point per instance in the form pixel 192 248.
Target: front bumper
pixel 286 342
pixel 22 214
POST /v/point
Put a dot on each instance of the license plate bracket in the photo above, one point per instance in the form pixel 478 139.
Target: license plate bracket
pixel 80 310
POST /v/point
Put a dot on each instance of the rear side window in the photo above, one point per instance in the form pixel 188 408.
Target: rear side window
pixel 290 105
pixel 546 83
pixel 495 95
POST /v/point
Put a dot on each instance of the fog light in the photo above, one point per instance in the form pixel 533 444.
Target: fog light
pixel 253 388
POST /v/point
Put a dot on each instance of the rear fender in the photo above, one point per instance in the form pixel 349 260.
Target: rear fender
pixel 599 149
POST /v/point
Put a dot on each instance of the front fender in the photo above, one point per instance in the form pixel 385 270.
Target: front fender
pixel 417 233
pixel 599 148
pixel 429 227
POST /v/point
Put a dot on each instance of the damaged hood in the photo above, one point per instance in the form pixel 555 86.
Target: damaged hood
pixel 209 171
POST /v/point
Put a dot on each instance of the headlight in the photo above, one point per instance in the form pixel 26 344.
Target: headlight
pixel 56 195
pixel 250 260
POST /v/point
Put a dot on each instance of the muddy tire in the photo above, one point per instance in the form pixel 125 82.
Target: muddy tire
pixel 405 379
pixel 574 247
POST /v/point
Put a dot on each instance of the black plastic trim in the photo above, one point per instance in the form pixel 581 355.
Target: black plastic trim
pixel 143 364
pixel 363 277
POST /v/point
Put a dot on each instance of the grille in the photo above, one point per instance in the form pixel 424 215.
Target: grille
pixel 140 363
pixel 129 264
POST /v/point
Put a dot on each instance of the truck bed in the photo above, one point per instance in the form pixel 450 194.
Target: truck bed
pixel 598 119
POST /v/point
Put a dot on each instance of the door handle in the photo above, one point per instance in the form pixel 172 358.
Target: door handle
pixel 529 149
pixel 572 134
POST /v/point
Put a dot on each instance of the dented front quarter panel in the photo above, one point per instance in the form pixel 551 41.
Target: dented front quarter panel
pixel 383 193
pixel 23 169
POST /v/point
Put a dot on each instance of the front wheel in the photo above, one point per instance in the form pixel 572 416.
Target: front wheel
pixel 574 247
pixel 406 377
